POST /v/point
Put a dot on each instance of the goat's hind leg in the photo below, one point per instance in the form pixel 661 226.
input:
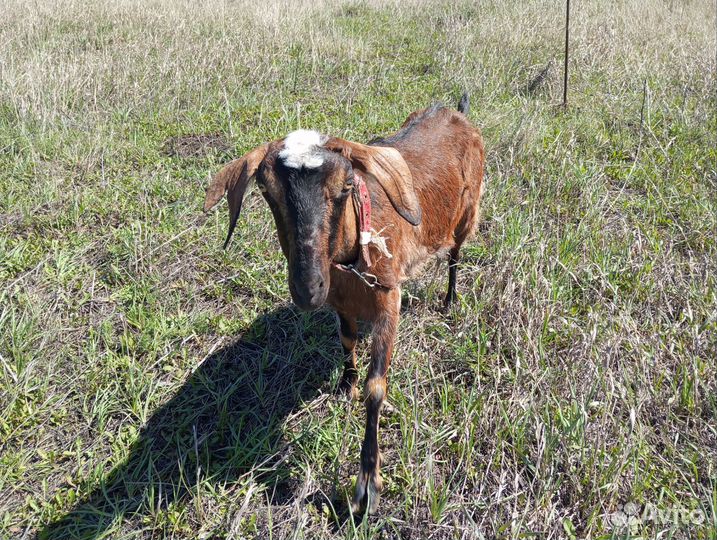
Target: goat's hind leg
pixel 464 229
pixel 348 332
pixel 453 258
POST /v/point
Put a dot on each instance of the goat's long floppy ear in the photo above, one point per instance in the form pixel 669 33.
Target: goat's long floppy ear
pixel 391 171
pixel 233 180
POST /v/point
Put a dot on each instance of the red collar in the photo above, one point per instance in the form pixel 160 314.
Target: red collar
pixel 362 199
pixel 362 204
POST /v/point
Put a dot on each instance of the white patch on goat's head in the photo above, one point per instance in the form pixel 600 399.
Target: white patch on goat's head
pixel 300 149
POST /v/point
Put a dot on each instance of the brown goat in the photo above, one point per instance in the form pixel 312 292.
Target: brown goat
pixel 421 190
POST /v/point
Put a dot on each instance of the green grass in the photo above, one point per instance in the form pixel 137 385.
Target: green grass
pixel 153 385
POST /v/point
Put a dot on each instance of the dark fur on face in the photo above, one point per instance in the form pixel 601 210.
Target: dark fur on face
pixel 307 204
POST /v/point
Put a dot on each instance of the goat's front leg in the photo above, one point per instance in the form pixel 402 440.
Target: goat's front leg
pixel 348 332
pixel 368 482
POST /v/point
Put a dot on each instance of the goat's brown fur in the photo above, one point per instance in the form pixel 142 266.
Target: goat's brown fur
pixel 425 184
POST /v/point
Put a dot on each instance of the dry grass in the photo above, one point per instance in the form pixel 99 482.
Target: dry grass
pixel 154 386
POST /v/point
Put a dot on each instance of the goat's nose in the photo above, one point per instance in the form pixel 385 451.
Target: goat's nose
pixel 310 281
pixel 313 288
pixel 309 292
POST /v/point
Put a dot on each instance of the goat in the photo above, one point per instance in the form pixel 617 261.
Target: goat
pixel 332 200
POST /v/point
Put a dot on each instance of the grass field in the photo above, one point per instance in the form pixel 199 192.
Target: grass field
pixel 153 385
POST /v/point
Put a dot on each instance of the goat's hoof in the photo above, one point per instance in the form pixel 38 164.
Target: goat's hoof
pixel 347 390
pixel 448 302
pixel 368 492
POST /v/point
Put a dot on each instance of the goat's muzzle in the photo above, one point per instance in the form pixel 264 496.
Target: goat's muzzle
pixel 309 288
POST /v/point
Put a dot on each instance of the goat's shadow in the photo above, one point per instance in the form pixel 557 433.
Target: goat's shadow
pixel 225 421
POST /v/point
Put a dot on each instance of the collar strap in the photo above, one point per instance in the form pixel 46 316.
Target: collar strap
pixel 362 200
pixel 362 203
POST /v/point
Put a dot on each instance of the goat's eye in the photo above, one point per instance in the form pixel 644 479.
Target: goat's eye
pixel 349 184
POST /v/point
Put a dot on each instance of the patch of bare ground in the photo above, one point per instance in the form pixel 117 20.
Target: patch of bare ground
pixel 192 146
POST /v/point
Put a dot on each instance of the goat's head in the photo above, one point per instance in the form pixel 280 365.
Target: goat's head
pixel 307 180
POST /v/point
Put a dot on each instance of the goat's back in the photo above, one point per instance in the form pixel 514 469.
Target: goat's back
pixel 445 154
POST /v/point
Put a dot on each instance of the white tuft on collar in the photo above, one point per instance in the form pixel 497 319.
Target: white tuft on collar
pixel 300 149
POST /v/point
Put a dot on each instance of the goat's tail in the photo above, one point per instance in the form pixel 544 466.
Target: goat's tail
pixel 464 104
